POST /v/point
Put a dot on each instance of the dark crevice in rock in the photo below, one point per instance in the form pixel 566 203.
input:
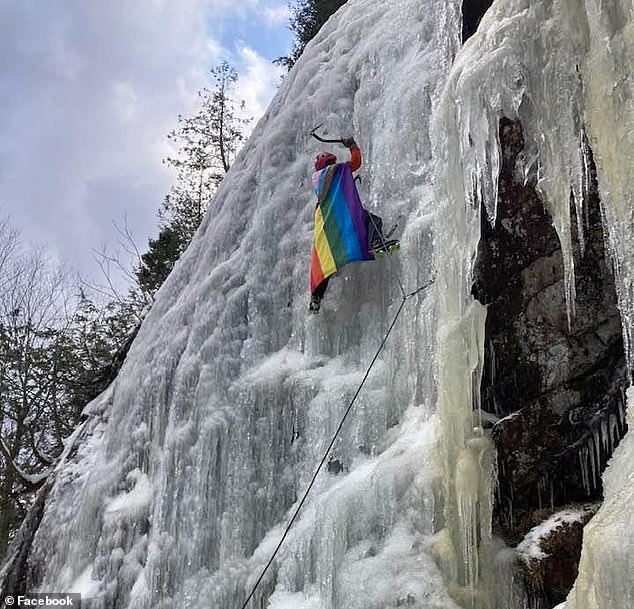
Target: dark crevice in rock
pixel 558 390
pixel 472 13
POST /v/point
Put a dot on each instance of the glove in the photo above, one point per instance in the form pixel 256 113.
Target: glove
pixel 348 142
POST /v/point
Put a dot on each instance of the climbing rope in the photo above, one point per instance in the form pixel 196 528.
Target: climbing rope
pixel 404 299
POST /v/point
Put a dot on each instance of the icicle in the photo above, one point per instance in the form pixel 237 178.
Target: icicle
pixel 467 494
pixel 612 432
pixel 585 479
pixel 605 437
pixel 596 442
pixel 594 466
pixel 582 207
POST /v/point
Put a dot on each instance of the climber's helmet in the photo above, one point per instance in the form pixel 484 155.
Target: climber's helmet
pixel 323 159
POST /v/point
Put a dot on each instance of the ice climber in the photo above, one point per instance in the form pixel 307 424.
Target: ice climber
pixel 344 230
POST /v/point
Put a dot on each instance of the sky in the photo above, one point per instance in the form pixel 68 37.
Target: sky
pixel 89 91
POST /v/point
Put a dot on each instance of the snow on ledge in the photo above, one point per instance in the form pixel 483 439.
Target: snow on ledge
pixel 530 547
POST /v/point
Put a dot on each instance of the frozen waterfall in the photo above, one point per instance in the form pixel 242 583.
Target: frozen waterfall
pixel 175 490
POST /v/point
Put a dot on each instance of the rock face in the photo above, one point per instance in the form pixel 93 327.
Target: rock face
pixel 549 555
pixel 556 386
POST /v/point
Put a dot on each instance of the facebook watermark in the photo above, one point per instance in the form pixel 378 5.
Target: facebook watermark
pixel 43 599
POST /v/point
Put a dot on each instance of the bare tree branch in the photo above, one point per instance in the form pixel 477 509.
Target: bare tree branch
pixel 31 482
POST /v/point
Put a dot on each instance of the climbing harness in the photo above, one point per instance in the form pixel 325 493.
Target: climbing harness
pixel 405 297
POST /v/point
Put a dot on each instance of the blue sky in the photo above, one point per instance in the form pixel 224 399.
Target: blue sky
pixel 263 26
pixel 88 92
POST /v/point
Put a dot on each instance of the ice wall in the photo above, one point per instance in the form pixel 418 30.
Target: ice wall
pixel 607 66
pixel 463 547
pixel 606 572
pixel 563 68
pixel 176 489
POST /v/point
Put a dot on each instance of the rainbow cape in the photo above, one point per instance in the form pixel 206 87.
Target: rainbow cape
pixel 341 224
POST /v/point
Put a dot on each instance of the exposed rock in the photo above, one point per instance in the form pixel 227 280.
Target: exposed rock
pixel 552 569
pixel 472 13
pixel 555 384
pixel 334 466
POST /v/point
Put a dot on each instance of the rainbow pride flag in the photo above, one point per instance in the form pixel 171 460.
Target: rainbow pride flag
pixel 341 224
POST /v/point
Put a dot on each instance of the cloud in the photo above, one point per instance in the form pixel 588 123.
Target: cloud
pixel 125 101
pixel 259 79
pixel 88 92
pixel 271 13
pixel 277 14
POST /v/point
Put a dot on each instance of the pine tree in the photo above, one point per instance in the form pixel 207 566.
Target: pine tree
pixel 307 18
pixel 207 144
pixel 158 262
pixel 57 353
pixel 96 339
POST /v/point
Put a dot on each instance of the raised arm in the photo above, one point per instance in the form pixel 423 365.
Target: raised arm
pixel 355 153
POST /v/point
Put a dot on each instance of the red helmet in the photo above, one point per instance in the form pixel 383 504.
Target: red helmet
pixel 323 159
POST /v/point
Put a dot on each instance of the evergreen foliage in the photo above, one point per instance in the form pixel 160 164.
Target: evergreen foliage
pixel 158 262
pixel 307 18
pixel 55 353
pixel 207 144
pixel 58 348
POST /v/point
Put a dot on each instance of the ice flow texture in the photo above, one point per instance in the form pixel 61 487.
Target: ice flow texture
pixel 178 484
pixel 177 491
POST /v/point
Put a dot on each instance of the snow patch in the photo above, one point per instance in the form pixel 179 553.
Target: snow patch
pixel 530 547
pixel 132 504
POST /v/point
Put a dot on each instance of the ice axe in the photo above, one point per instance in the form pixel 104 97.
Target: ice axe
pixel 329 141
pixel 324 140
